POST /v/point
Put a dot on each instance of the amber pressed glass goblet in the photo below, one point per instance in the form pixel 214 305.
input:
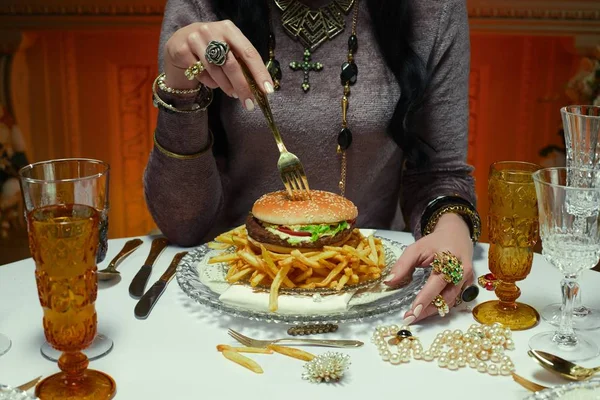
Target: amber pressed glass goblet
pixel 91 188
pixel 513 232
pixel 63 239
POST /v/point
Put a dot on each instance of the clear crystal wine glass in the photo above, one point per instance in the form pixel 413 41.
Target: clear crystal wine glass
pixel 581 126
pixel 5 344
pixel 569 206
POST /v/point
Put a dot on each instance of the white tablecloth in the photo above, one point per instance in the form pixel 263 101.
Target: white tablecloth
pixel 172 354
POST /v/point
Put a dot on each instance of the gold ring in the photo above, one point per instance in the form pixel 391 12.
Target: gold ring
pixel 458 300
pixel 449 266
pixel 488 281
pixel 441 305
pixel 193 71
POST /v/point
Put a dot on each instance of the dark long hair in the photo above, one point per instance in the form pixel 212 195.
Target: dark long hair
pixel 392 25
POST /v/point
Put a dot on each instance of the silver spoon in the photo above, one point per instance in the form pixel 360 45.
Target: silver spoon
pixel 111 272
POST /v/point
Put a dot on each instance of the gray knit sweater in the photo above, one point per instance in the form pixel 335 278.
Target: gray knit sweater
pixel 192 200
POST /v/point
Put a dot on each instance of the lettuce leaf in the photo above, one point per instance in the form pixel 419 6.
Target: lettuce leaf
pixel 324 230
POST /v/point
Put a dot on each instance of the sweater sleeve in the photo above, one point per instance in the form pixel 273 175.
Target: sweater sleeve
pixel 184 197
pixel 443 119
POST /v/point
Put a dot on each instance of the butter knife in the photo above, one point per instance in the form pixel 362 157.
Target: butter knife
pixel 149 299
pixel 138 284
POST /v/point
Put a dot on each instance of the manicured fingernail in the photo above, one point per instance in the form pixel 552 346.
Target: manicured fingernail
pixel 417 310
pixel 409 320
pixel 249 105
pixel 234 95
pixel 269 87
pixel 390 277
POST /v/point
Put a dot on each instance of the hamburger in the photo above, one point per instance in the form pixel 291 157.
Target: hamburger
pixel 281 224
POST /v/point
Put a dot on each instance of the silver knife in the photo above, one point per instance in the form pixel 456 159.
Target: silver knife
pixel 149 299
pixel 138 284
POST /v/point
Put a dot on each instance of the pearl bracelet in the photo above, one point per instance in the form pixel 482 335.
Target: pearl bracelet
pixel 205 101
pixel 162 86
pixel 481 347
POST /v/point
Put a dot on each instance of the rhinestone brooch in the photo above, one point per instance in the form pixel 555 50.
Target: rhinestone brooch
pixel 328 367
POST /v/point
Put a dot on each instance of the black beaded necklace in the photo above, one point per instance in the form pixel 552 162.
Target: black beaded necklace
pixel 348 74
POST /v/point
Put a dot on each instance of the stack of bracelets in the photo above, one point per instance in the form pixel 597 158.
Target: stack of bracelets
pixel 198 99
pixel 202 96
pixel 451 204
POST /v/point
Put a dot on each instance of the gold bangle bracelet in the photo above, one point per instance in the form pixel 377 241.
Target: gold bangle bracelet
pixel 197 107
pixel 463 211
pixel 185 156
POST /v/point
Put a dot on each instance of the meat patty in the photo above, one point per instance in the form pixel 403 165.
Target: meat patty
pixel 257 232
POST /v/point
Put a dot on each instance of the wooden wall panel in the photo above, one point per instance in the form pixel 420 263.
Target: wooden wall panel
pixel 479 86
pixel 89 95
pixel 517 111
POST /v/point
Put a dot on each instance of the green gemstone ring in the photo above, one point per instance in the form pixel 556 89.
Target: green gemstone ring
pixel 449 266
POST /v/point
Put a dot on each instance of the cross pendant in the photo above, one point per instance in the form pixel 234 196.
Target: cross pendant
pixel 306 66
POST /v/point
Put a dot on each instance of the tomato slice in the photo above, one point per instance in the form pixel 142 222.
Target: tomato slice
pixel 293 233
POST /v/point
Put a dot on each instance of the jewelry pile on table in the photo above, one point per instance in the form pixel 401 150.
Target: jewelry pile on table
pixel 482 348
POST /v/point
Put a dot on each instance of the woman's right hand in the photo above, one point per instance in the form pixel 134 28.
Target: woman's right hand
pixel 187 46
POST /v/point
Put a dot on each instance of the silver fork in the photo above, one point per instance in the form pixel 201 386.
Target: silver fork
pixel 246 341
pixel 290 168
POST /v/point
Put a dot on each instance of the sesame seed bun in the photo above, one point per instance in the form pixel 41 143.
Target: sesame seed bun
pixel 323 208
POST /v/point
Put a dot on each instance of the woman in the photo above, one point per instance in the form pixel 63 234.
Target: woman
pixel 408 117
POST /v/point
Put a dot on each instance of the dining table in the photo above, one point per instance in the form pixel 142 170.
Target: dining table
pixel 172 354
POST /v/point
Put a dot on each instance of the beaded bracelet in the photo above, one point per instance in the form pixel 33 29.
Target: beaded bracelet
pixel 205 101
pixel 162 86
pixel 451 204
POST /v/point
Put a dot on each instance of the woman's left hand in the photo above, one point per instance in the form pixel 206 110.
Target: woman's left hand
pixel 450 234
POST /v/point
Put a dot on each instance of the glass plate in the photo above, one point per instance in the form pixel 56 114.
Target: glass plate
pixel 588 390
pixel 10 393
pixel 188 277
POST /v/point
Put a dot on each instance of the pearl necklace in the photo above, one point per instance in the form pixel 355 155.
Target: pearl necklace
pixel 481 347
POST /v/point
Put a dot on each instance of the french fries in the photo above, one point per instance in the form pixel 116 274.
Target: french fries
pixel 259 350
pixel 243 361
pixel 233 354
pixel 282 273
pixel 360 259
pixel 223 258
pixel 291 352
pixel 218 246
